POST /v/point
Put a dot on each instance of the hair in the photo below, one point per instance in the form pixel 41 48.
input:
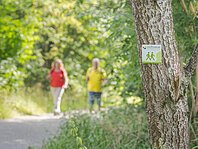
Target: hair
pixel 96 60
pixel 61 65
pixel 61 68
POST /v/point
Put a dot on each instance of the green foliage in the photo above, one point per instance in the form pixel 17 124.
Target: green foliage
pixel 10 75
pixel 124 65
pixel 122 128
pixel 79 31
pixel 33 33
pixel 185 26
pixel 65 32
pixel 17 38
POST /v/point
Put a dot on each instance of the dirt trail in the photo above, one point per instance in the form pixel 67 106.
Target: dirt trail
pixel 19 133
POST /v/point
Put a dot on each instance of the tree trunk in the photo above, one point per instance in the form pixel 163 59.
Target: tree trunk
pixel 197 80
pixel 196 93
pixel 164 84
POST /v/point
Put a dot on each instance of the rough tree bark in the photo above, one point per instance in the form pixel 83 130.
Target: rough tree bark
pixel 164 84
pixel 196 94
pixel 197 80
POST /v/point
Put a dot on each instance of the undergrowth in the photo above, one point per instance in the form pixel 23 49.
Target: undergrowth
pixel 119 128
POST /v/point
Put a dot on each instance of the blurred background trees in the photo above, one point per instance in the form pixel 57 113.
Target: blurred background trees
pixel 35 32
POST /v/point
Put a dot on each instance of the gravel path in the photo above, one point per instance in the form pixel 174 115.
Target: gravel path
pixel 19 133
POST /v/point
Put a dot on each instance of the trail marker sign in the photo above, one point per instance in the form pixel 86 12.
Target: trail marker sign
pixel 151 54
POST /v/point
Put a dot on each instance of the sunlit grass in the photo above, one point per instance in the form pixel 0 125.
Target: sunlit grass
pixel 24 102
pixel 36 101
pixel 74 100
pixel 5 110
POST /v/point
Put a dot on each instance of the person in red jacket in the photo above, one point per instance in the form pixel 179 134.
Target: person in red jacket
pixel 58 82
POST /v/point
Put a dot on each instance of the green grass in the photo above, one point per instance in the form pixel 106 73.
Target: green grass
pixel 35 101
pixel 31 101
pixel 120 128
pixel 74 99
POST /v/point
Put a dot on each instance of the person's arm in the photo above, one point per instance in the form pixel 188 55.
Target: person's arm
pixel 87 75
pixel 87 78
pixel 66 80
pixel 104 81
pixel 104 78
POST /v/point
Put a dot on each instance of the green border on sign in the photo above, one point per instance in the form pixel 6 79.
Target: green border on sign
pixel 158 54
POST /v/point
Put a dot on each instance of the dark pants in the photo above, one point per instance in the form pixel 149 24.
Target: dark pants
pixel 94 96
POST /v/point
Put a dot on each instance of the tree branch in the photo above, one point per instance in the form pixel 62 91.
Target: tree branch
pixel 192 64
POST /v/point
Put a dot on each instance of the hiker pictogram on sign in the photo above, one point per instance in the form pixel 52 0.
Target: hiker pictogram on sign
pixel 151 54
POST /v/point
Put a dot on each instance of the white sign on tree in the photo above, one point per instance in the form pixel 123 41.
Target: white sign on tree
pixel 151 54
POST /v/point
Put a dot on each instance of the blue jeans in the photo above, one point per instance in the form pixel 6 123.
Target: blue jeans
pixel 93 96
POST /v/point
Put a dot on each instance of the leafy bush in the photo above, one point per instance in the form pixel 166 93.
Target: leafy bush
pixel 119 128
pixel 10 76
